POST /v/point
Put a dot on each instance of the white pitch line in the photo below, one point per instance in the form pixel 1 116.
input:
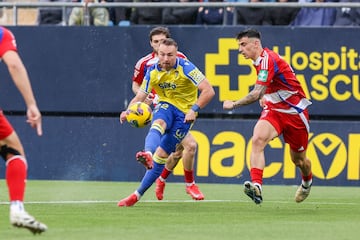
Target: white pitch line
pixel 108 201
pixel 178 201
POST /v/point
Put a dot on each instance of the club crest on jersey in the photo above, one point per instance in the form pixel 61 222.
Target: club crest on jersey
pixel 262 76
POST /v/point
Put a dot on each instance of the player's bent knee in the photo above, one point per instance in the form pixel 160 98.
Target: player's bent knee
pixel 6 152
pixel 177 155
pixel 299 163
pixel 191 146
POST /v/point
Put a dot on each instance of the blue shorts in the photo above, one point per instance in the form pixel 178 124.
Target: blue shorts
pixel 176 128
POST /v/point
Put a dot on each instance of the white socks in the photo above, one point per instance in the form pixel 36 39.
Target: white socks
pixel 306 184
pixel 17 206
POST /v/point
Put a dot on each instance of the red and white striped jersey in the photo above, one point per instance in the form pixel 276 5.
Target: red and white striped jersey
pixel 284 92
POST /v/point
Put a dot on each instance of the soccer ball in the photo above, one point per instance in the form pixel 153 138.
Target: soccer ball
pixel 139 114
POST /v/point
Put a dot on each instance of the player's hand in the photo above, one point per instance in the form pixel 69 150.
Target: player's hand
pixel 228 105
pixel 148 101
pixel 155 99
pixel 190 116
pixel 152 99
pixel 122 117
pixel 34 118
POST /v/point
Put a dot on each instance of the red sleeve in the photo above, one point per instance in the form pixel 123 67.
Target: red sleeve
pixel 139 72
pixel 181 55
pixel 265 71
pixel 7 42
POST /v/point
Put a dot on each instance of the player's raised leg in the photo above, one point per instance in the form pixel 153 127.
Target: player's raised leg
pixel 148 179
pixel 152 141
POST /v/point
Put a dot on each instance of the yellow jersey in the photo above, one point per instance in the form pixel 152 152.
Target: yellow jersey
pixel 179 86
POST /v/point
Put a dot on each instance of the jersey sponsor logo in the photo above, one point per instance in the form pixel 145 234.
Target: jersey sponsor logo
pixel 262 76
pixel 167 85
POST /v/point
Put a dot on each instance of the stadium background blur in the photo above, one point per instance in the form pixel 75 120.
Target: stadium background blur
pixel 25 16
pixel 82 79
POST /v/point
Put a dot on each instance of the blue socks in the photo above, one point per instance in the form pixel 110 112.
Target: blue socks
pixel 150 177
pixel 152 140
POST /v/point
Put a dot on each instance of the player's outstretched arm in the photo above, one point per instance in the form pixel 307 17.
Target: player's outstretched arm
pixel 256 94
pixel 135 87
pixel 21 79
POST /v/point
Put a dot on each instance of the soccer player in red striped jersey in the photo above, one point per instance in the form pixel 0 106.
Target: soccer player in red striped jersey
pixel 11 149
pixel 284 112
pixel 188 148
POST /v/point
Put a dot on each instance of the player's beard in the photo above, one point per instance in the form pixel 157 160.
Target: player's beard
pixel 166 66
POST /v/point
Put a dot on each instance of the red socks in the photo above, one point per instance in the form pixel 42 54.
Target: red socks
pixel 188 175
pixel 16 172
pixel 256 175
pixel 165 173
pixel 307 178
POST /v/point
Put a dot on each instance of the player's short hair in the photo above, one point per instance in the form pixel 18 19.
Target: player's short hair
pixel 250 33
pixel 169 42
pixel 159 30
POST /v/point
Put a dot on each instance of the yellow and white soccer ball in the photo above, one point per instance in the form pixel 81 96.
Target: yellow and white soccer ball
pixel 139 114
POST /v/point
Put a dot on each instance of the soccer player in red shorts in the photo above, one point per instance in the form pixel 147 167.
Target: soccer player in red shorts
pixel 11 149
pixel 284 112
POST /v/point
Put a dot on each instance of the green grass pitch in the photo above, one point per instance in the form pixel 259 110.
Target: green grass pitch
pixel 88 210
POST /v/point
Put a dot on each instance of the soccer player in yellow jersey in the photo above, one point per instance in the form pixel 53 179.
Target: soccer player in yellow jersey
pixel 187 151
pixel 177 82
